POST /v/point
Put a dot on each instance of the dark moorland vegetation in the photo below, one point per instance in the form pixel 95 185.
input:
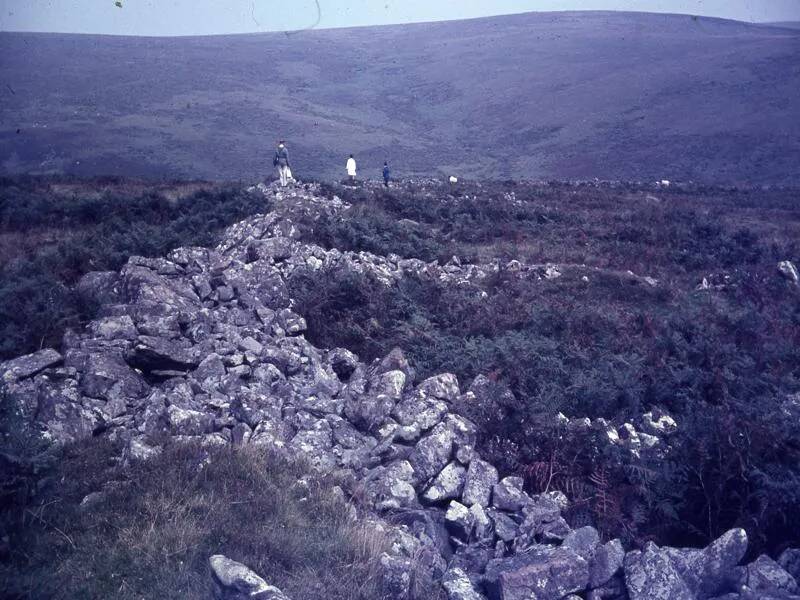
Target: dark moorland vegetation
pixel 721 361
pixel 54 231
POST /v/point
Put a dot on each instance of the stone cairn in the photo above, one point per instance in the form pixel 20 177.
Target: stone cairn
pixel 204 346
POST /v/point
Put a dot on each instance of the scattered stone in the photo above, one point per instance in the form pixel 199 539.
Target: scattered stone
pixel 789 271
pixel 234 581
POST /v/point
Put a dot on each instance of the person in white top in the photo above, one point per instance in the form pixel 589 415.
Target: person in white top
pixel 351 168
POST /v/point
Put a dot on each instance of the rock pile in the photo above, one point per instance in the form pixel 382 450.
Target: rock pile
pixel 204 345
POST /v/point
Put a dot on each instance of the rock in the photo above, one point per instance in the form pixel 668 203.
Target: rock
pixel 113 328
pixel 504 526
pixel 465 436
pixel 29 365
pixel 709 572
pixel 459 587
pixel 650 575
pixel 189 422
pixel 249 344
pixel 210 366
pixel 543 523
pixel 139 450
pixel 658 423
pixel 432 453
pixel 291 322
pixel 234 581
pixel 396 361
pixel 396 576
pixel 790 561
pixel 390 487
pixel 482 525
pixel 606 563
pixel 343 362
pixel 559 498
pixel 369 407
pixel 508 494
pixel 152 353
pixel 458 520
pixel 766 576
pixel 419 411
pixel 100 287
pixel 447 485
pixel 789 271
pixel 543 573
pixel 480 479
pixel 443 386
pixel 427 525
pixel 583 542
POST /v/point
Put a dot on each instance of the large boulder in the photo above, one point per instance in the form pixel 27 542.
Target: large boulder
pixel 28 365
pixel 767 577
pixel 234 581
pixel 650 575
pixel 710 572
pixel 790 561
pixel 542 573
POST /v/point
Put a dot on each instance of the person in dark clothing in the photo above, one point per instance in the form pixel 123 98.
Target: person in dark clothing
pixel 386 174
pixel 281 161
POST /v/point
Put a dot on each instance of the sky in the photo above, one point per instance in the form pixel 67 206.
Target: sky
pixel 203 17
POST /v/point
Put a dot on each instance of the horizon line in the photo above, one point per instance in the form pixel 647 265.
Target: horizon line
pixel 288 32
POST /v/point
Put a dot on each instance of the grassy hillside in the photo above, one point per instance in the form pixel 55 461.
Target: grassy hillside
pixel 547 95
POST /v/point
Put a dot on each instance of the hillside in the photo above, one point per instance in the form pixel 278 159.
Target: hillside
pixel 477 391
pixel 615 96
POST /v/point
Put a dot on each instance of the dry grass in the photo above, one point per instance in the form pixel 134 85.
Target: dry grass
pixel 150 533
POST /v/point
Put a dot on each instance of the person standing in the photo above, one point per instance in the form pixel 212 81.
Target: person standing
pixel 386 174
pixel 281 161
pixel 351 168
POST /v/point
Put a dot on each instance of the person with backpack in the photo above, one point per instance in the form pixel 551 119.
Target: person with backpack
pixel 351 168
pixel 281 161
pixel 386 174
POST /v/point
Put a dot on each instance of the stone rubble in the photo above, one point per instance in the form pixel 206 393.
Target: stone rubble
pixel 204 345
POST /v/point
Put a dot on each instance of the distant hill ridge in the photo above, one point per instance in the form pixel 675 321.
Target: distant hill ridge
pixel 628 96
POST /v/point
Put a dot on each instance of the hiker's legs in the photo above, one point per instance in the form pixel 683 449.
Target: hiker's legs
pixel 282 171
